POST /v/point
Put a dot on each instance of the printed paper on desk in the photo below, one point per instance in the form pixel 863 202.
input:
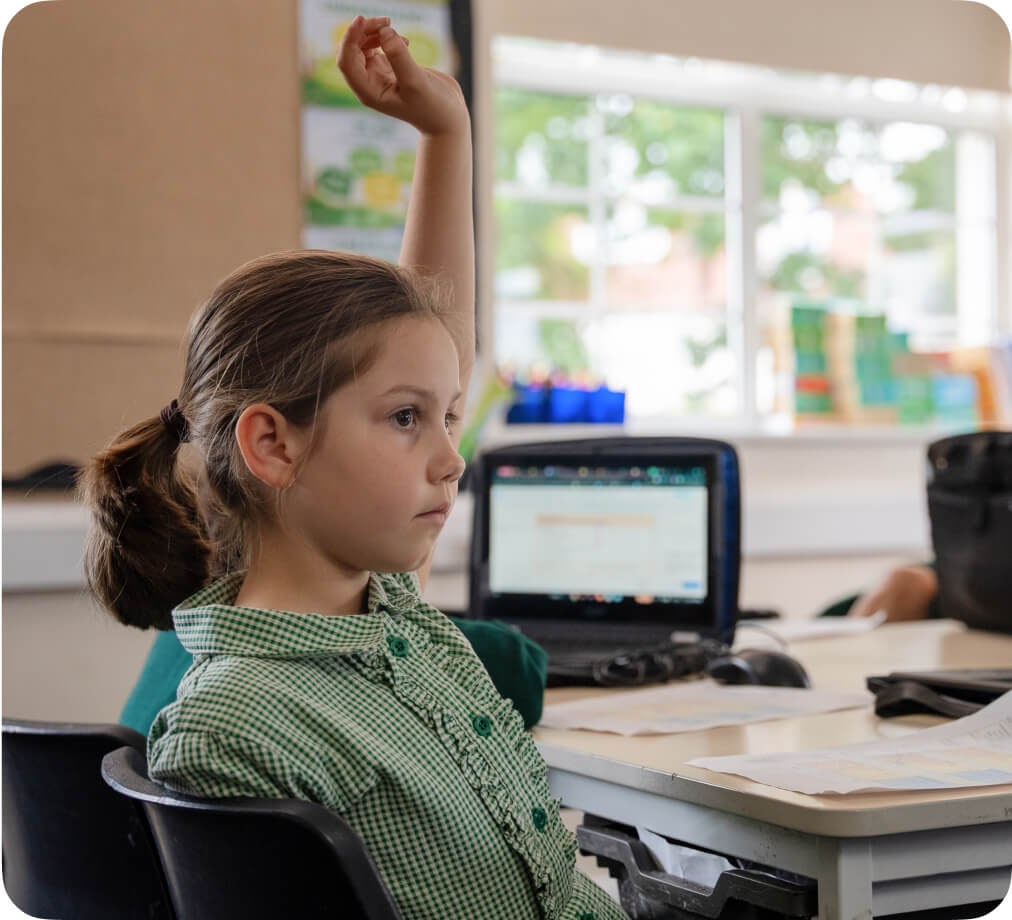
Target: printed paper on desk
pixel 692 707
pixel 819 628
pixel 973 751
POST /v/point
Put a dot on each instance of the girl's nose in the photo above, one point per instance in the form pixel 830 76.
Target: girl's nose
pixel 449 465
pixel 455 467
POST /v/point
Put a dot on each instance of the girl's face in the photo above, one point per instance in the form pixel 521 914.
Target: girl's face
pixel 378 485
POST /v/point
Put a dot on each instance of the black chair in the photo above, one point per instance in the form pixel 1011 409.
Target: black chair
pixel 72 848
pixel 253 858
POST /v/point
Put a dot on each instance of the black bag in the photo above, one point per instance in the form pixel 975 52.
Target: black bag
pixel 970 508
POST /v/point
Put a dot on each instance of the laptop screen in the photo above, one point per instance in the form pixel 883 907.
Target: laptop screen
pixel 607 533
pixel 620 530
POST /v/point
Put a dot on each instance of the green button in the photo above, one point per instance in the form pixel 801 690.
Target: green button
pixel 482 725
pixel 589 915
pixel 540 818
pixel 398 645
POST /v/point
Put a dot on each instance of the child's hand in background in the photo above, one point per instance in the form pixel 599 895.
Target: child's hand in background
pixel 905 594
pixel 380 70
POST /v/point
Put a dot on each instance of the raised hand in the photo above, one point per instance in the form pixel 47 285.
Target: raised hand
pixel 380 70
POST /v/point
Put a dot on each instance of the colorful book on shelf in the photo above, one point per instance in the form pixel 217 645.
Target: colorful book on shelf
pixel 812 392
pixel 848 366
pixel 955 401
pixel 859 351
pixel 915 373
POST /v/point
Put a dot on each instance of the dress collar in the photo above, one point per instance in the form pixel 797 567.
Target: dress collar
pixel 209 623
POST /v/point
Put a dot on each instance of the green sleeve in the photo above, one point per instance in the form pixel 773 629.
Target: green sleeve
pixel 165 666
pixel 518 668
pixel 935 604
pixel 839 608
pixel 517 665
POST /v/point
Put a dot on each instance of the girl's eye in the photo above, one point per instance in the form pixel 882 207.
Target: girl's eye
pixel 450 421
pixel 405 418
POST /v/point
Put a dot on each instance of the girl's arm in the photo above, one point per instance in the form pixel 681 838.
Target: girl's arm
pixel 439 231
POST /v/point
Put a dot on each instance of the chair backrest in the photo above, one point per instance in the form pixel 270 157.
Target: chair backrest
pixel 253 858
pixel 71 846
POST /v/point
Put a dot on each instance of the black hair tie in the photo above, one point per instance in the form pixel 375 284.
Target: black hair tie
pixel 174 420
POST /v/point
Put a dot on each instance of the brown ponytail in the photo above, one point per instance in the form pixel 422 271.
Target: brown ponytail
pixel 286 329
pixel 146 549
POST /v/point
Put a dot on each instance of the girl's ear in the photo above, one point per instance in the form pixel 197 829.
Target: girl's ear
pixel 270 445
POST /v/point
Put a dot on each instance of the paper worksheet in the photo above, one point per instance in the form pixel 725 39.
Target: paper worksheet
pixel 692 707
pixel 973 751
pixel 817 628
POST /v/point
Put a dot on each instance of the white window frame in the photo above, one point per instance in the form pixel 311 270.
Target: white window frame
pixel 746 94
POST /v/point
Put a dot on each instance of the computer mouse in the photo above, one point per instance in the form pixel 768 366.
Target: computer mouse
pixel 759 666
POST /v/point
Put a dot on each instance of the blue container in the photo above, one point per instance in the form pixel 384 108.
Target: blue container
pixel 606 407
pixel 567 405
pixel 530 406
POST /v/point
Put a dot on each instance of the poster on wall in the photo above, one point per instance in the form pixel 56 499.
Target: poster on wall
pixel 357 164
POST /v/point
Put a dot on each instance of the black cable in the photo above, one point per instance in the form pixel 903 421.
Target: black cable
pixel 654 664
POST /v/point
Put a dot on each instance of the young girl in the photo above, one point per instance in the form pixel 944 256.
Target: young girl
pixel 321 391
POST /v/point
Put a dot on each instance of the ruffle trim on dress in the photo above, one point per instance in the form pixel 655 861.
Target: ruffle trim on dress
pixel 550 852
pixel 447 635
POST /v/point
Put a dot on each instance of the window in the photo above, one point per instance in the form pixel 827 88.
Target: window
pixel 657 217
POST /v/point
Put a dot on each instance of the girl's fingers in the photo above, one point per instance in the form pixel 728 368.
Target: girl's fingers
pixel 363 33
pixel 374 23
pixel 373 41
pixel 376 62
pixel 350 42
pixel 369 31
pixel 353 51
pixel 401 62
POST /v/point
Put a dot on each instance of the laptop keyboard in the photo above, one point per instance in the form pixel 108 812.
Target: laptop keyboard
pixel 560 648
pixel 606 639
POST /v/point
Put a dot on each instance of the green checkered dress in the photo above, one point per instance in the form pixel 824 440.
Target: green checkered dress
pixel 390 719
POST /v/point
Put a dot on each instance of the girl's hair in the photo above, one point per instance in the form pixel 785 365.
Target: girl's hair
pixel 285 329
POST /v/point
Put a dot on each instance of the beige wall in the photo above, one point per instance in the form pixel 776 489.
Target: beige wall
pixel 907 39
pixel 148 149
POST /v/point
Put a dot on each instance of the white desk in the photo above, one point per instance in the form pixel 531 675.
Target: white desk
pixel 872 854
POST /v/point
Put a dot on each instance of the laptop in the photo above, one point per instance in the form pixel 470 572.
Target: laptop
pixel 607 545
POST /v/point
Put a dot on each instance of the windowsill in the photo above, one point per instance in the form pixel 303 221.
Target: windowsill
pixel 777 432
